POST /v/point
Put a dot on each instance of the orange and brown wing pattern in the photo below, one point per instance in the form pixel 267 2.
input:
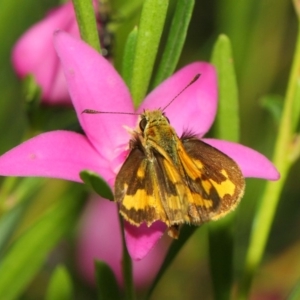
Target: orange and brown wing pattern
pixel 136 192
pixel 202 184
pixel 219 181
pixel 150 189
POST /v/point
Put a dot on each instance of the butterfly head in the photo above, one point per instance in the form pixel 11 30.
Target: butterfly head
pixel 153 118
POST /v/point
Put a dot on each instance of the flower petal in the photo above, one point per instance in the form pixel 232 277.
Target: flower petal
pixel 34 54
pixel 57 154
pixel 94 84
pixel 99 224
pixel 140 240
pixel 251 162
pixel 196 107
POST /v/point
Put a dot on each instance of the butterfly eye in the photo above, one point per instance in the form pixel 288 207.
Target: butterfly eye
pixel 167 120
pixel 143 124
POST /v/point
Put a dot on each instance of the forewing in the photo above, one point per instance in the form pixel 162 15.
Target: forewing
pixel 214 179
pixel 137 190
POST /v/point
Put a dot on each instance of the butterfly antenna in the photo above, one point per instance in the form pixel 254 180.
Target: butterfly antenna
pixel 193 81
pixel 92 111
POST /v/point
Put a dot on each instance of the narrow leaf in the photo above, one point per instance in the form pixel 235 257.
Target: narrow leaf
pixel 227 120
pixel 107 285
pixel 99 185
pixel 23 192
pixel 149 34
pixel 8 223
pixel 86 20
pixel 227 128
pixel 175 41
pixel 129 54
pixel 60 286
pixel 27 254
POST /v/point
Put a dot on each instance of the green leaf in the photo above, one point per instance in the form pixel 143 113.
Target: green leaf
pixel 149 34
pixel 185 233
pixel 129 54
pixel 107 285
pixel 9 222
pixel 23 192
pixel 60 286
pixel 175 41
pixel 99 185
pixel 227 120
pixel 86 20
pixel 274 104
pixel 125 16
pixel 29 251
pixel 227 128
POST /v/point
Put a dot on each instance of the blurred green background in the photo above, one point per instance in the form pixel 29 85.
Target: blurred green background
pixel 263 36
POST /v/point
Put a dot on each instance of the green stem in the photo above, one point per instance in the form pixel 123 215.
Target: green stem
pixel 86 20
pixel 284 157
pixel 127 267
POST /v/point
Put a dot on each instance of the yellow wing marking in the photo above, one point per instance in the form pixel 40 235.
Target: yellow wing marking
pixel 226 187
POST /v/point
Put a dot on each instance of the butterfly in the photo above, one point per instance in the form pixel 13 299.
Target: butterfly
pixel 174 180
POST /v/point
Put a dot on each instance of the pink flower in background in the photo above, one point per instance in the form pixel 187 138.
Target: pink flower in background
pixel 94 83
pixel 100 238
pixel 34 54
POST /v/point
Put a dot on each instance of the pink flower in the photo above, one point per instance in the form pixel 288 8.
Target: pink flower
pixel 94 83
pixel 99 224
pixel 34 54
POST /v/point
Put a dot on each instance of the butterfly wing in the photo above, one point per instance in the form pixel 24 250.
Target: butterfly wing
pixel 214 179
pixel 201 184
pixel 137 190
pixel 151 189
